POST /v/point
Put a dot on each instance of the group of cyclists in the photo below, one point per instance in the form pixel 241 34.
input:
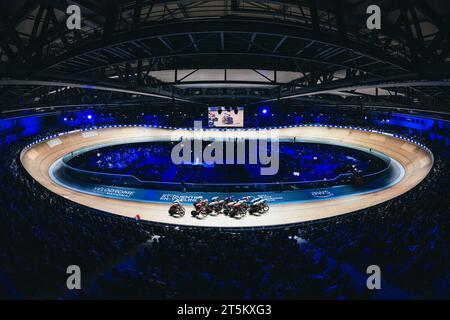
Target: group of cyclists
pixel 228 206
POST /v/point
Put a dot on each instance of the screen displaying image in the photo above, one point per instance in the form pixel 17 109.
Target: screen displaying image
pixel 222 117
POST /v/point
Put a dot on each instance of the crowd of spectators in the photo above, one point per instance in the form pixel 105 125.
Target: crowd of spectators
pixel 406 237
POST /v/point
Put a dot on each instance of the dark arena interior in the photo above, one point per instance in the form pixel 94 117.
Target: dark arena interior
pixel 226 149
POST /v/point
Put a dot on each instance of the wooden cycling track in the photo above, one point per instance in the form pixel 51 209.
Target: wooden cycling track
pixel 416 161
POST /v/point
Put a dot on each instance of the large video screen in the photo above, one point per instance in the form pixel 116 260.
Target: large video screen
pixel 222 117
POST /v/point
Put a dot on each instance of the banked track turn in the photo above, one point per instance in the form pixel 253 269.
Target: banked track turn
pixel 415 160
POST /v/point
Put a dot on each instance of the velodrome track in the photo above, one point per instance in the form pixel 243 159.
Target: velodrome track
pixel 416 161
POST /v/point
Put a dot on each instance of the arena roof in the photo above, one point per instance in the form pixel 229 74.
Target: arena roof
pixel 208 51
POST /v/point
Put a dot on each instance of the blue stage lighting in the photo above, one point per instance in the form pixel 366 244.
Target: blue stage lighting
pixel 264 110
pixel 89 116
